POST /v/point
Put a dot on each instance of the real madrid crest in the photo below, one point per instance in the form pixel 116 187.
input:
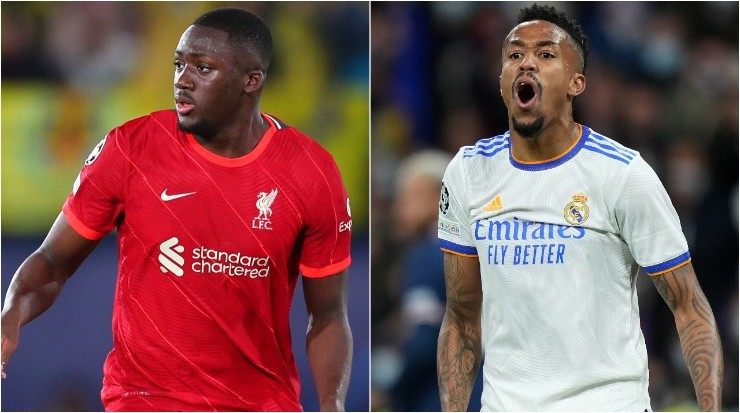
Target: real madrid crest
pixel 576 212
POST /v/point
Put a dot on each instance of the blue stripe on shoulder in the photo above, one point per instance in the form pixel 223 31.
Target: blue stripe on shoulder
pixel 629 153
pixel 605 153
pixel 487 147
pixel 485 153
pixel 666 265
pixel 490 142
pixel 462 249
pixel 611 148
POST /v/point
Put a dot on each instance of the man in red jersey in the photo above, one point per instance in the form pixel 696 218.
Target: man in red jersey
pixel 218 208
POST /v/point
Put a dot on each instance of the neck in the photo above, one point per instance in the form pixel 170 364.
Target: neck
pixel 238 138
pixel 553 140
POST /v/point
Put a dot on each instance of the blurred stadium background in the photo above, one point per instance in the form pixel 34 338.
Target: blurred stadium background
pixel 662 78
pixel 71 71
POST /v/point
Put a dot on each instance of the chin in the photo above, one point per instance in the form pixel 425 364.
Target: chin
pixel 200 128
pixel 529 129
pixel 184 126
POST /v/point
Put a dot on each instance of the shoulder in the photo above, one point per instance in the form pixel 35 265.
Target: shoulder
pixel 486 153
pixel 616 161
pixel 163 120
pixel 608 150
pixel 138 131
pixel 486 148
pixel 297 147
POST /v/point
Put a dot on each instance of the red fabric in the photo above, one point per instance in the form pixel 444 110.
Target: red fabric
pixel 206 277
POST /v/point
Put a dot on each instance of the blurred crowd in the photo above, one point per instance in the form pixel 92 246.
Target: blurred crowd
pixel 662 78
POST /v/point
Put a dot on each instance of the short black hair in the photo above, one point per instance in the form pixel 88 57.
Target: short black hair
pixel 558 18
pixel 244 28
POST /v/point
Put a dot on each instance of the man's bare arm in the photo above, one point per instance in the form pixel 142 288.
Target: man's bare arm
pixel 697 332
pixel 459 347
pixel 329 339
pixel 39 280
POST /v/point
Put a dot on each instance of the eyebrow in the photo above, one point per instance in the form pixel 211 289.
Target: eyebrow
pixel 517 42
pixel 194 54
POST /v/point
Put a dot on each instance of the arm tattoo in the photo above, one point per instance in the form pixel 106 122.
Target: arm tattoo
pixel 459 346
pixel 697 332
pixel 662 286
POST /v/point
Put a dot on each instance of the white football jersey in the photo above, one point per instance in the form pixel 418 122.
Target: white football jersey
pixel 560 243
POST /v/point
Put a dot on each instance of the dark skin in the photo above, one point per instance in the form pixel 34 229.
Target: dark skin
pixel 223 85
pixel 697 332
pixel 329 339
pixel 543 52
pixel 459 351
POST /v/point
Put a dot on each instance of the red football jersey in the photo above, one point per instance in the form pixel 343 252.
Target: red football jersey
pixel 209 254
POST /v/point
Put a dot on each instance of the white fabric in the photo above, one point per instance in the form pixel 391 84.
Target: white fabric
pixel 560 322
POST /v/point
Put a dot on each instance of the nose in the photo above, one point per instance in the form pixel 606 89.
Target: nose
pixel 183 80
pixel 528 63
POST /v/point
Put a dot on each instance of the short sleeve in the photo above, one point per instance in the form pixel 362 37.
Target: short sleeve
pixel 96 201
pixel 649 222
pixel 326 245
pixel 453 226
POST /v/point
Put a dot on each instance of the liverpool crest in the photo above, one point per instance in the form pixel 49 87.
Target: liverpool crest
pixel 264 202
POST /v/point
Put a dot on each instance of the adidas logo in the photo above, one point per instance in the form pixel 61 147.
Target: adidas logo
pixel 495 205
pixel 170 257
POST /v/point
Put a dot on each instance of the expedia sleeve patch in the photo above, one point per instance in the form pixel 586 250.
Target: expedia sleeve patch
pixel 449 228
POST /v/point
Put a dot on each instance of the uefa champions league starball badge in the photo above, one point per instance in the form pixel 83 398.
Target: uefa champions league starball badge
pixel 96 151
pixel 444 199
pixel 576 212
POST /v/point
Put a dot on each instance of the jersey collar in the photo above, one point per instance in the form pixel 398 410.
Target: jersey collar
pixel 242 160
pixel 552 162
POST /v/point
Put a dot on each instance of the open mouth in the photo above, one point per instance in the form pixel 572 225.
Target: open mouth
pixel 183 104
pixel 183 108
pixel 525 92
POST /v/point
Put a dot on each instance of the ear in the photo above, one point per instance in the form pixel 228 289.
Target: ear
pixel 577 84
pixel 253 80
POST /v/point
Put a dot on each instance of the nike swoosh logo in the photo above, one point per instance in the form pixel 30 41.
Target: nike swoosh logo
pixel 166 197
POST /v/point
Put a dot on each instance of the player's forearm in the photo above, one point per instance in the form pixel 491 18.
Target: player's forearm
pixel 33 289
pixel 329 349
pixel 702 350
pixel 697 332
pixel 458 361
